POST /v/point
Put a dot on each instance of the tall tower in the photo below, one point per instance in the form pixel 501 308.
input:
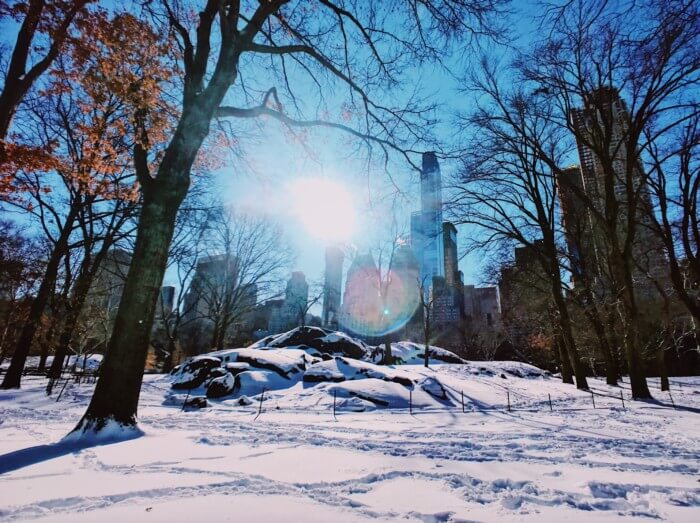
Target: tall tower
pixel 578 229
pixel 332 286
pixel 605 120
pixel 426 226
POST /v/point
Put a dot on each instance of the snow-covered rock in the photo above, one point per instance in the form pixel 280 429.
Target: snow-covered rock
pixel 341 369
pixel 194 372
pixel 321 341
pixel 409 353
pixel 221 386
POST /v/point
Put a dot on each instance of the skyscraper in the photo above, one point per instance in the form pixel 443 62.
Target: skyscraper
pixel 604 121
pixel 426 225
pixel 332 286
pixel 578 229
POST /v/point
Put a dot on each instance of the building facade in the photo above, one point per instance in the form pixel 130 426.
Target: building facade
pixel 333 279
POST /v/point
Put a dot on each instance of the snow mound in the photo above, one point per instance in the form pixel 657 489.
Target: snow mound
pixel 342 369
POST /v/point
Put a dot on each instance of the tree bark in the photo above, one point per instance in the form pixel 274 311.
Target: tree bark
pixel 121 373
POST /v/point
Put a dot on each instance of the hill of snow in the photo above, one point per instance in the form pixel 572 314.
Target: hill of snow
pixel 478 441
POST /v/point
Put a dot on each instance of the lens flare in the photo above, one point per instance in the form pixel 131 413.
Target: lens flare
pixel 366 313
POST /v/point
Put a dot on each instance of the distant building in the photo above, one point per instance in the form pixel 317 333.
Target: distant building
pixel 333 280
pixel 607 110
pixel 362 308
pixel 426 225
pixel 482 307
pixel 104 296
pixel 524 297
pixel 216 293
pixel 292 311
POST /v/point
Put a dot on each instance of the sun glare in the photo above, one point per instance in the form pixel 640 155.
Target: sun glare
pixel 324 207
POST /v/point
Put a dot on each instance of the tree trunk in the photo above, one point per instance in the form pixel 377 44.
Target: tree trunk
pixel 14 373
pixel 388 359
pixel 630 320
pixel 567 335
pixel 597 324
pixel 565 365
pixel 426 355
pixel 121 373
pixel 46 345
pixel 168 361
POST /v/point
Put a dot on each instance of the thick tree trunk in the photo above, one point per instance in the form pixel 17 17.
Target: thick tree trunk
pixel 14 373
pixel 121 373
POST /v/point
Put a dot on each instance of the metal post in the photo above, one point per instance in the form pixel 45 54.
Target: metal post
pixel 672 402
pixel 550 403
pixel 462 402
pixel 508 394
pixel 262 395
pixel 622 399
pixel 593 399
pixel 186 398
pixel 410 401
pixel 335 392
pixel 64 386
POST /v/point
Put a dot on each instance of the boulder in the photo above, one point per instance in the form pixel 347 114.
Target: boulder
pixel 196 402
pixel 194 372
pixel 322 340
pixel 221 386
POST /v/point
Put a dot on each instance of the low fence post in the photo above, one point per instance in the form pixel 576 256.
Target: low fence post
pixel 550 403
pixel 593 399
pixel 622 399
pixel 262 395
pixel 410 401
pixel 508 396
pixel 335 393
pixel 672 402
pixel 186 398
pixel 62 388
pixel 463 402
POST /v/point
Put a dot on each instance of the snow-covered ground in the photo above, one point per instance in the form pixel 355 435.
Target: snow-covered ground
pixel 297 462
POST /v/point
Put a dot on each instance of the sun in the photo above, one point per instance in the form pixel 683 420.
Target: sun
pixel 324 207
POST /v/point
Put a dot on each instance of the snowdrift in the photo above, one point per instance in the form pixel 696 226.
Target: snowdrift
pixel 310 364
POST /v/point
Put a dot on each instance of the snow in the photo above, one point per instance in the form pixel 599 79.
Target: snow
pixel 299 462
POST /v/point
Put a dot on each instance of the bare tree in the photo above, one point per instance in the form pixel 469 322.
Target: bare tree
pixel 427 300
pixel 354 49
pixel 250 261
pixel 620 75
pixel 507 191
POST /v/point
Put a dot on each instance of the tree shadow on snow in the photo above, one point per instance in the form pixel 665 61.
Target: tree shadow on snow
pixel 19 459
